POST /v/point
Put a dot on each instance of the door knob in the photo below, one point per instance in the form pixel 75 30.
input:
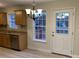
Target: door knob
pixel 53 35
pixel 52 32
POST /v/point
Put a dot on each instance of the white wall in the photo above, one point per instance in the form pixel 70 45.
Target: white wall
pixel 50 7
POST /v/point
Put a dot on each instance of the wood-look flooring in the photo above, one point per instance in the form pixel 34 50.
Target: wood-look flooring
pixel 27 53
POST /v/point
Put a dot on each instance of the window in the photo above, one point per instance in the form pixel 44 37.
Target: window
pixel 40 26
pixel 11 21
pixel 62 22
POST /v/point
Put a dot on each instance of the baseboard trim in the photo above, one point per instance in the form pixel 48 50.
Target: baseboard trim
pixel 75 56
pixel 49 51
pixel 42 50
pixel 62 54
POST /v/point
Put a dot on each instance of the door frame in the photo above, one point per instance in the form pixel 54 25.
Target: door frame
pixel 74 26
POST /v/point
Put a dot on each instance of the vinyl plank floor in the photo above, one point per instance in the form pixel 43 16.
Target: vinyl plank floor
pixel 27 53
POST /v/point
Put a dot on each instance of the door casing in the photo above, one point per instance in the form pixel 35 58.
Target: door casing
pixel 73 33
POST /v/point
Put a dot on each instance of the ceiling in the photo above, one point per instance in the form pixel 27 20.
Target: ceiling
pixel 8 3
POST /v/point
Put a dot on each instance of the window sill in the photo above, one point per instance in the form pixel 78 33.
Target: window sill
pixel 39 40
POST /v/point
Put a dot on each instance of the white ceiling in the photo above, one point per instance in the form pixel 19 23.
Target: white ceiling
pixel 7 3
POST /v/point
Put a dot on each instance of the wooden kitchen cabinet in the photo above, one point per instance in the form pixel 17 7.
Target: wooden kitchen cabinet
pixel 20 17
pixel 13 41
pixel 22 41
pixel 1 40
pixel 4 40
pixel 18 42
pixel 3 18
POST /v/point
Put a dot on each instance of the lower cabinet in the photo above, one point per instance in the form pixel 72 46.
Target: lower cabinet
pixel 1 41
pixel 14 42
pixel 17 42
pixel 5 41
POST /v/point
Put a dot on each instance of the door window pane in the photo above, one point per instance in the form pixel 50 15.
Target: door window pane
pixel 62 19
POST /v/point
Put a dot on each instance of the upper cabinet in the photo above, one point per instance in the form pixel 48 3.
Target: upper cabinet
pixel 3 18
pixel 20 17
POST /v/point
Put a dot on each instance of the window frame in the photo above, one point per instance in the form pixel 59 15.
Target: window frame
pixel 34 37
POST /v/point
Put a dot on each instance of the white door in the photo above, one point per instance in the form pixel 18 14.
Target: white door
pixel 63 32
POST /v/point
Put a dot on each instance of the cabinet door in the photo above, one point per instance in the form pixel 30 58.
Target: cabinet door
pixel 3 19
pixel 20 17
pixel 24 18
pixel 6 41
pixel 23 41
pixel 1 41
pixel 0 19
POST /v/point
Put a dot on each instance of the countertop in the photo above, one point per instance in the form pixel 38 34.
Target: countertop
pixel 14 32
